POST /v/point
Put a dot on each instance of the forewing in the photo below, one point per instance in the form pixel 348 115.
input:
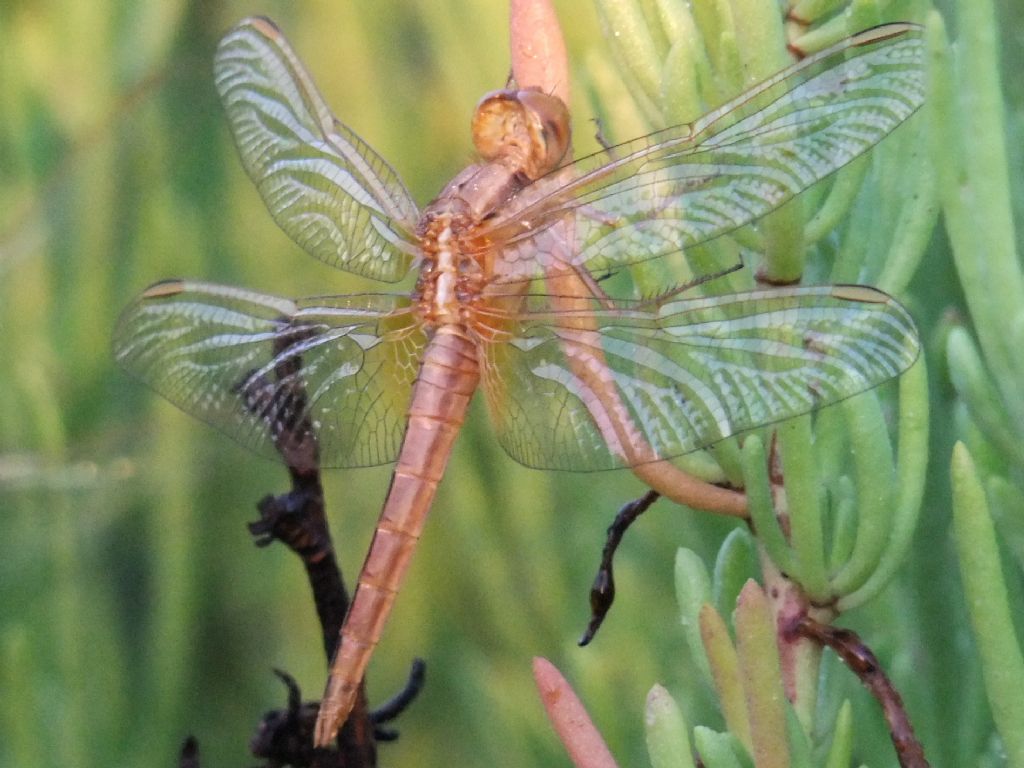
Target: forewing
pixel 641 385
pixel 325 187
pixel 322 381
pixel 691 183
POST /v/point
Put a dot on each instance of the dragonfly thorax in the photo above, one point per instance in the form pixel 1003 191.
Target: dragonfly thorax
pixel 452 277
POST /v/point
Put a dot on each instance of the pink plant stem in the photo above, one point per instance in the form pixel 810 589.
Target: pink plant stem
pixel 569 718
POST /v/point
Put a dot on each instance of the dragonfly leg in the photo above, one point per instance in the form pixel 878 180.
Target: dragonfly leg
pixel 671 293
pixel 600 138
pixel 602 593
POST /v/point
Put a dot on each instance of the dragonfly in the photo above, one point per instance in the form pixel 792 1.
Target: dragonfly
pixel 510 293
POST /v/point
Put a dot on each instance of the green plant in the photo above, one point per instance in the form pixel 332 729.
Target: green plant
pixel 851 498
pixel 132 612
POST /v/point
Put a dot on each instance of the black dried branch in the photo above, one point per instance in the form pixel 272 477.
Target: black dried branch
pixel 189 756
pixel 862 661
pixel 398 703
pixel 285 736
pixel 298 519
pixel 282 403
pixel 602 593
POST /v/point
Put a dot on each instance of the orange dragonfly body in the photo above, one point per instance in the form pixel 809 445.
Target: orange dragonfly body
pixel 510 294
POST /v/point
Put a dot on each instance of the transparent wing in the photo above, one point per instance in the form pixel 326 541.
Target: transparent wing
pixel 324 380
pixel 325 187
pixel 691 183
pixel 602 388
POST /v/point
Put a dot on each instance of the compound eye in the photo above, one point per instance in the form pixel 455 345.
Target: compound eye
pixel 549 118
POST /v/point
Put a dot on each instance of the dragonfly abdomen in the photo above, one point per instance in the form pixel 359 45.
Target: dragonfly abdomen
pixel 445 384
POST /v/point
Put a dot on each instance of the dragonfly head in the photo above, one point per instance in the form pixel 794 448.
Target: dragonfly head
pixel 526 130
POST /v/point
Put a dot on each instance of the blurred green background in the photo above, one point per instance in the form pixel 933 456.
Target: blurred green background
pixel 134 609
